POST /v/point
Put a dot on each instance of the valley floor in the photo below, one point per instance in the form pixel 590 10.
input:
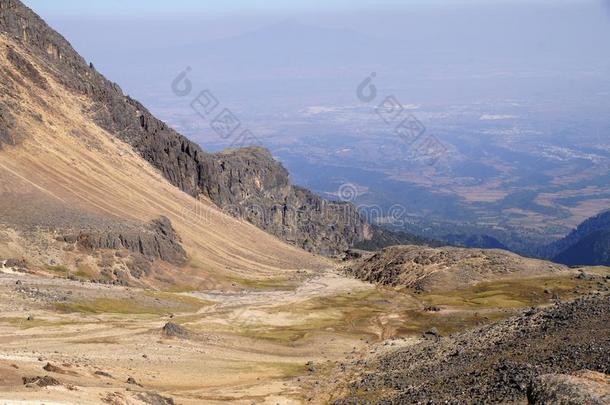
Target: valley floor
pixel 241 346
pixel 289 342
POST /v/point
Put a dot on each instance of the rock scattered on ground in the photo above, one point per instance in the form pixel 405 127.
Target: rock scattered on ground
pixel 496 363
pixel 152 398
pixel 132 381
pixel 103 374
pixel 584 387
pixel 426 268
pixel 174 330
pixel 58 370
pixel 45 381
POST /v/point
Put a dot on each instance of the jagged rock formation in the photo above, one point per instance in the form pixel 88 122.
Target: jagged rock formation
pixel 250 184
pixel 172 330
pixel 246 182
pixel 493 364
pixel 426 268
pixel 156 240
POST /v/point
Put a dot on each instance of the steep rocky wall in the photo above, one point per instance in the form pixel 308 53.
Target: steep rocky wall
pixel 155 240
pixel 250 184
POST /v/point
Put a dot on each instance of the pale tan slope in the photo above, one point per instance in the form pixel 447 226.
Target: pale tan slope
pixel 66 163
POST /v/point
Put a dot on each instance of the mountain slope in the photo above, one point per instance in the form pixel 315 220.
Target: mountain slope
pixel 588 244
pixel 247 183
pixel 63 175
pixel 592 250
pixel 497 363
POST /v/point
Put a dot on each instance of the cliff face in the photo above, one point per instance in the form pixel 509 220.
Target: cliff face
pixel 250 184
pixel 155 240
pixel 247 182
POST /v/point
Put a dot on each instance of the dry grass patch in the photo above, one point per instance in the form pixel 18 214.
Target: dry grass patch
pixel 518 293
pixel 23 323
pixel 111 306
pixel 487 302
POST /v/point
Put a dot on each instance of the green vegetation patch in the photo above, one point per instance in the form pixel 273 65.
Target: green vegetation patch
pixel 344 314
pixel 193 303
pixel 417 322
pixel 265 284
pixel 148 303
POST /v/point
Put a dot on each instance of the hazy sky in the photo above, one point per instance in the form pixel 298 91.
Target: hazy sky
pixel 139 7
pixel 257 48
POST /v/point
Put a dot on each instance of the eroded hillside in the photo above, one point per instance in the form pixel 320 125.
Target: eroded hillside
pixel 246 183
pixel 63 176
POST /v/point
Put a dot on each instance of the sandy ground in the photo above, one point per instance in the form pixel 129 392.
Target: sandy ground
pixel 241 347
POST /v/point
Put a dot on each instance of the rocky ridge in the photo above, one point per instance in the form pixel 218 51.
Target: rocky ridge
pixel 426 268
pixel 246 182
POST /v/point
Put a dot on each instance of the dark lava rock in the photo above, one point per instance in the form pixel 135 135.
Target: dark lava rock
pixel 45 381
pixel 53 369
pixel 132 381
pixel 155 240
pixel 584 276
pixel 432 333
pixel 174 330
pixel 58 370
pixel 103 374
pixel 152 398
